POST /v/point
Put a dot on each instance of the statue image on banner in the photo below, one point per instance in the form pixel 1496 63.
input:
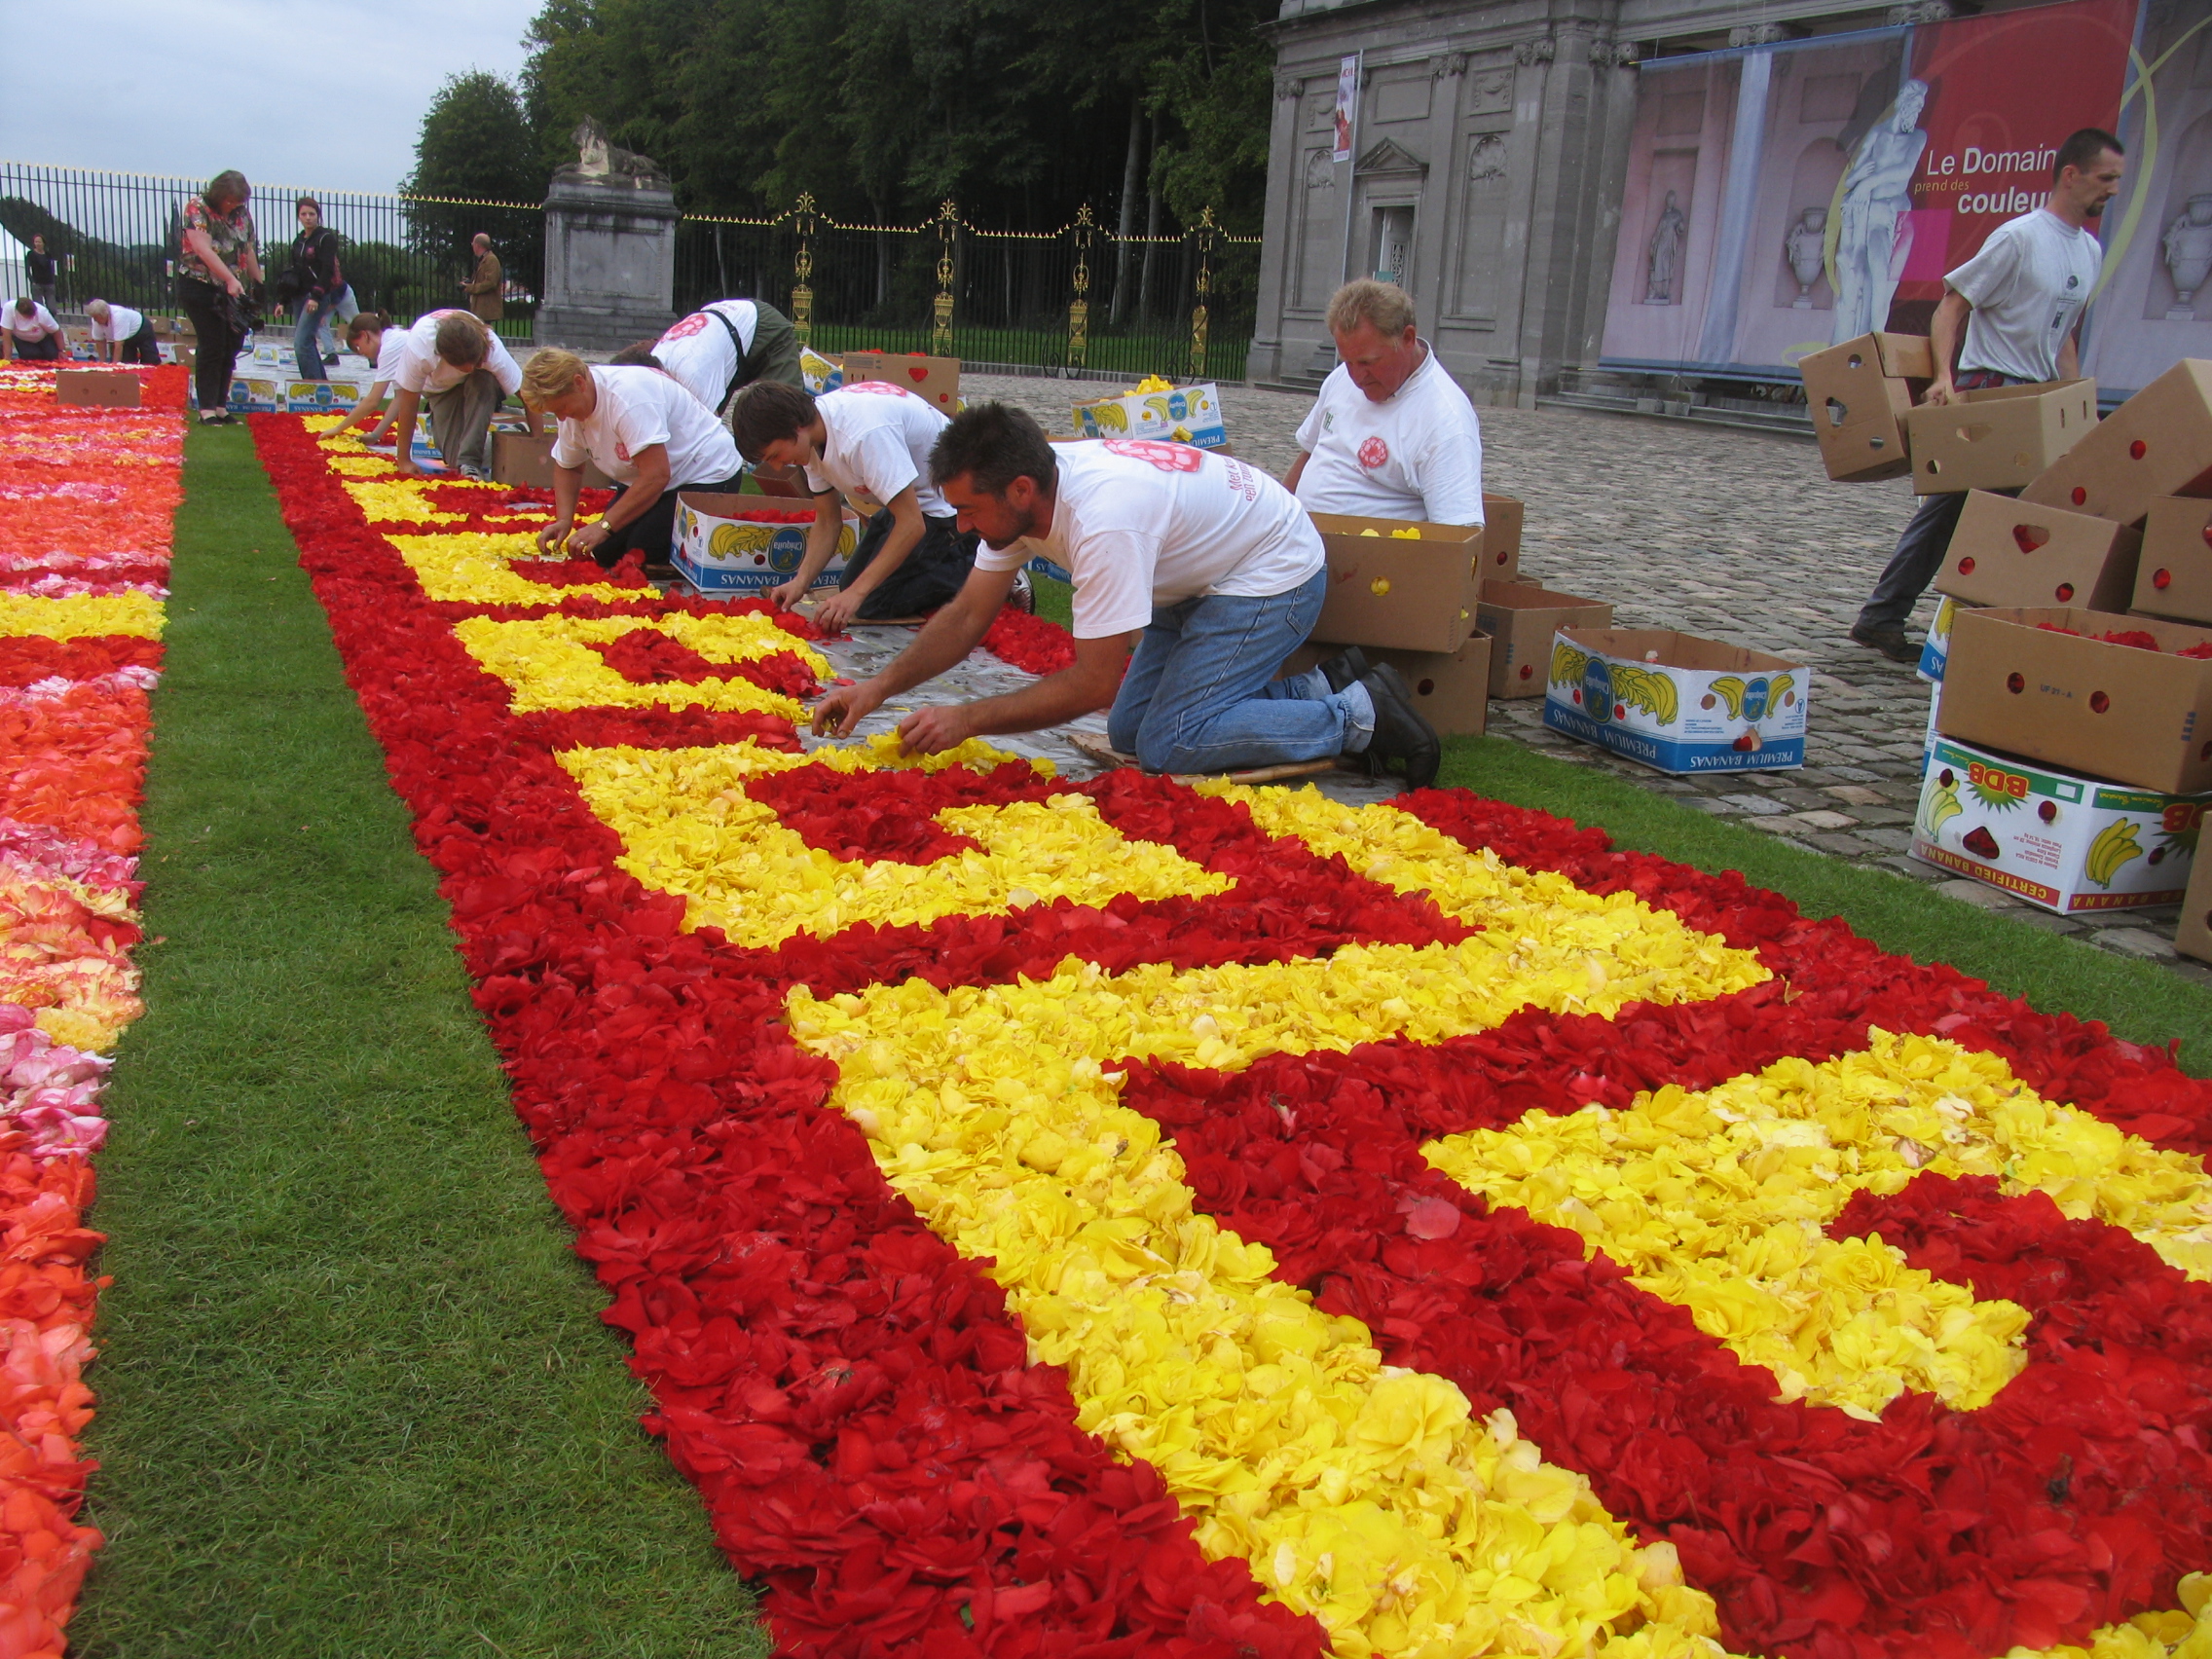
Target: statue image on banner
pixel 1664 268
pixel 1876 194
pixel 2188 249
pixel 1802 249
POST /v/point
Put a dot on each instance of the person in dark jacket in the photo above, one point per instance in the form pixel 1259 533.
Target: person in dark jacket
pixel 317 283
pixel 39 266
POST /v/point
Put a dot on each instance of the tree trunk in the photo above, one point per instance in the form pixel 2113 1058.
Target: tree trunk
pixel 1128 223
pixel 1151 225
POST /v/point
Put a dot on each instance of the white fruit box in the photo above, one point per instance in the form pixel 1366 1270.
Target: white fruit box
pixel 2057 839
pixel 1184 415
pixel 1677 702
pixel 723 553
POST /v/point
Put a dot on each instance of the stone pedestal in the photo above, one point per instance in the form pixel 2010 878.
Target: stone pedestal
pixel 609 261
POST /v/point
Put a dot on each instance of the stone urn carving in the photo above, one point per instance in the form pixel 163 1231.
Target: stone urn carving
pixel 1801 248
pixel 2188 245
pixel 1663 254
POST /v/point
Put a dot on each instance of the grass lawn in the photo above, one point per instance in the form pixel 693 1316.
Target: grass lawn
pixel 2138 1000
pixel 355 1398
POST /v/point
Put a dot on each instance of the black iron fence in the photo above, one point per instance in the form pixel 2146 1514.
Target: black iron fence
pixel 1078 297
pixel 117 235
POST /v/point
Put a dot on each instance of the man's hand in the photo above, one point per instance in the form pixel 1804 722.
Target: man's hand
pixel 1941 392
pixel 787 595
pixel 382 433
pixel 934 730
pixel 844 708
pixel 834 610
pixel 551 537
pixel 592 537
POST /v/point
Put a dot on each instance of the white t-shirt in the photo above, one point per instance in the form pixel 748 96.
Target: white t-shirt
pixel 1142 524
pixel 36 326
pixel 699 353
pixel 877 443
pixel 123 323
pixel 420 369
pixel 1417 454
pixel 638 408
pixel 2027 286
pixel 391 350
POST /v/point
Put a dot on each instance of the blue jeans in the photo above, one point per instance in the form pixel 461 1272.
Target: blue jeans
pixel 1201 696
pixel 312 337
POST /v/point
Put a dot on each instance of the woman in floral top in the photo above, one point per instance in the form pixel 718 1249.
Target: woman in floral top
pixel 216 259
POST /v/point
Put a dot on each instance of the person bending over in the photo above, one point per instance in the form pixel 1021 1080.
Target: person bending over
pixel 647 433
pixel 458 364
pixel 371 335
pixel 727 346
pixel 869 441
pixel 2019 300
pixel 121 335
pixel 1391 434
pixel 1210 567
pixel 31 335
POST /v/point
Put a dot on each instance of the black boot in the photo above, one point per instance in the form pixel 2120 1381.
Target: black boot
pixel 1347 666
pixel 1400 731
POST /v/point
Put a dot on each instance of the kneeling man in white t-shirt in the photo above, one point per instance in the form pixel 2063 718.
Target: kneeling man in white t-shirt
pixel 647 434
pixel 1211 569
pixel 1391 434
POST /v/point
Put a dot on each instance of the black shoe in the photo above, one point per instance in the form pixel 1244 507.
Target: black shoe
pixel 1400 731
pixel 1347 666
pixel 660 572
pixel 330 362
pixel 1890 641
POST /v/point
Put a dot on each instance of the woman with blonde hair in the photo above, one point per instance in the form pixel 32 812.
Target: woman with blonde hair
pixel 215 261
pixel 647 433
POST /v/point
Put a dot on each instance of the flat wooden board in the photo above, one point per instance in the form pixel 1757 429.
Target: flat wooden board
pixel 1100 750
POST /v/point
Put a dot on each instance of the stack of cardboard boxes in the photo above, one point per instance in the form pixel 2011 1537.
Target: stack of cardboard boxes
pixel 2069 757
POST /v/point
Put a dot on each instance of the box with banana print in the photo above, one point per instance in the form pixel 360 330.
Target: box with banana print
pixel 1677 702
pixel 1154 408
pixel 2055 839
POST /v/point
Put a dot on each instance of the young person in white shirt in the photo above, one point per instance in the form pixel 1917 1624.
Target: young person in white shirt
pixel 1213 570
pixel 871 441
pixel 31 335
pixel 2019 303
pixel 456 364
pixel 121 335
pixel 369 334
pixel 1391 435
pixel 721 348
pixel 647 433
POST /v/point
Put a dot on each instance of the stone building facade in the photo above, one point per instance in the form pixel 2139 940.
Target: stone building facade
pixel 1491 151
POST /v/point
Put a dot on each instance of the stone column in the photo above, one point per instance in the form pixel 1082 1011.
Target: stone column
pixel 610 250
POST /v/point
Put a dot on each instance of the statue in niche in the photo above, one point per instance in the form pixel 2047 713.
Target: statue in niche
pixel 2188 247
pixel 601 161
pixel 1801 248
pixel 1875 238
pixel 1663 262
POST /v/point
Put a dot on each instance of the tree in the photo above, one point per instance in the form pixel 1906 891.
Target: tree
pixel 476 144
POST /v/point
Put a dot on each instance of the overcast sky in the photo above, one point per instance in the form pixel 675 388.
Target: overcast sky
pixel 328 94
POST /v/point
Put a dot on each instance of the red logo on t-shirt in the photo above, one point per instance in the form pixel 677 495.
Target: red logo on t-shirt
pixel 622 452
pixel 1374 453
pixel 690 326
pixel 879 389
pixel 1168 457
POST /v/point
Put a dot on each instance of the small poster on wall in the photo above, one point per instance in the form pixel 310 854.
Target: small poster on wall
pixel 1782 199
pixel 1347 105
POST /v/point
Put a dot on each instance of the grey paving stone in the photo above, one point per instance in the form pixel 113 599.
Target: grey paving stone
pixel 2136 941
pixel 1759 805
pixel 1823 820
pixel 1842 845
pixel 2046 920
pixel 1978 894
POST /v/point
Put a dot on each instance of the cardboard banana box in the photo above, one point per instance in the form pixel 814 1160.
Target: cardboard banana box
pixel 1675 702
pixel 2060 840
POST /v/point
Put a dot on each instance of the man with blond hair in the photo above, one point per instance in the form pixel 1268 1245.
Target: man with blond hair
pixel 121 335
pixel 458 366
pixel 1391 435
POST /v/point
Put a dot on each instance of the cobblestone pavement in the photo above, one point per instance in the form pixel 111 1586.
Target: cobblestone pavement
pixel 1733 534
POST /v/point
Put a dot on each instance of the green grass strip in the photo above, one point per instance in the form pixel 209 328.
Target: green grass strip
pixel 355 1398
pixel 2139 1000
